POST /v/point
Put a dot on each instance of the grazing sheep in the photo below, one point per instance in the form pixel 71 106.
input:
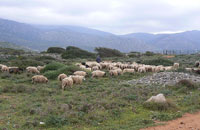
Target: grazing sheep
pixel 4 69
pixel 98 73
pixel 39 79
pixel 67 82
pixel 15 70
pixel 95 68
pixel 197 63
pixel 188 69
pixel 62 76
pixel 77 79
pixel 32 70
pixel 142 70
pixel 80 73
pixel 1 65
pixel 128 71
pixel 168 68
pixel 88 69
pixel 176 65
pixel 113 73
pixel 39 68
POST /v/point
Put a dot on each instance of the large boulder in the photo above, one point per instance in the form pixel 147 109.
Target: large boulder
pixel 160 98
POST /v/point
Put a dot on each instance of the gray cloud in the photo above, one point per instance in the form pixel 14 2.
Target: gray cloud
pixel 116 16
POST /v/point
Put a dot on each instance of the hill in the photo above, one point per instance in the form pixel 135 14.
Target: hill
pixel 39 37
pixel 189 40
pixel 12 46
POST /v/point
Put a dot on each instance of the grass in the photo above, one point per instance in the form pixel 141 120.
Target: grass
pixel 99 103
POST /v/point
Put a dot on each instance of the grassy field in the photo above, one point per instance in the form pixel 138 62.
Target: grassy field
pixel 108 103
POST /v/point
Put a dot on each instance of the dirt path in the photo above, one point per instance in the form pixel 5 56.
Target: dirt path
pixel 187 122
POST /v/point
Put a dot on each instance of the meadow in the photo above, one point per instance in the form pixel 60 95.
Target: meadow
pixel 108 103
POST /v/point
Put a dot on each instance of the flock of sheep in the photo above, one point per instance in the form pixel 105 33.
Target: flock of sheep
pixel 114 68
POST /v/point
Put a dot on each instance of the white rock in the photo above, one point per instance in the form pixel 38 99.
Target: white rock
pixel 42 123
pixel 160 98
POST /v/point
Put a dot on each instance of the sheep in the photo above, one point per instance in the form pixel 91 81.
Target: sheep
pixel 188 69
pixel 39 68
pixel 15 70
pixel 67 82
pixel 4 69
pixel 95 68
pixel 77 79
pixel 128 71
pixel 32 70
pixel 176 65
pixel 119 71
pixel 80 73
pixel 98 73
pixel 88 69
pixel 113 73
pixel 197 63
pixel 39 79
pixel 62 76
pixel 1 65
pixel 142 70
pixel 168 68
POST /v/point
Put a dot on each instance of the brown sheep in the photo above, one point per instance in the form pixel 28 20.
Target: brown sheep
pixel 98 73
pixel 67 82
pixel 39 79
pixel 15 70
pixel 62 76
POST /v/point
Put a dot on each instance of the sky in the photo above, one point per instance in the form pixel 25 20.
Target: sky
pixel 115 16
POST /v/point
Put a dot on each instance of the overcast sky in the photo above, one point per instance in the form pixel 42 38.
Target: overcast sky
pixel 116 16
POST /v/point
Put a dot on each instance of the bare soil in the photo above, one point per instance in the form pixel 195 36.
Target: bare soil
pixel 187 122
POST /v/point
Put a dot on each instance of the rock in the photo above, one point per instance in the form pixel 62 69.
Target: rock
pixel 160 98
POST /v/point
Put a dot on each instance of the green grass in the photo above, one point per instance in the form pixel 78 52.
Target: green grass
pixel 106 103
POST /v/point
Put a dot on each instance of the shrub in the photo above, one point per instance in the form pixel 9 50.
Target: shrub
pixel 52 66
pixel 169 105
pixel 55 121
pixel 58 50
pixel 107 52
pixel 74 52
pixel 53 74
pixel 149 53
pixel 187 83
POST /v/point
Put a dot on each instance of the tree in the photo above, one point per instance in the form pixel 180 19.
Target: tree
pixel 107 52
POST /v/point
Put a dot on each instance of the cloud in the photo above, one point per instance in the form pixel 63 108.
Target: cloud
pixel 116 16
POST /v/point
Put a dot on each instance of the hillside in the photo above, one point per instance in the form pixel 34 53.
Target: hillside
pixel 41 37
pixel 180 41
pixel 12 46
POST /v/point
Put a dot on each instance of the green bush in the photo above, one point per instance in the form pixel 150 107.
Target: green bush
pixel 158 61
pixel 58 50
pixel 74 52
pixel 107 52
pixel 55 121
pixel 165 116
pixel 69 70
pixel 52 66
pixel 149 53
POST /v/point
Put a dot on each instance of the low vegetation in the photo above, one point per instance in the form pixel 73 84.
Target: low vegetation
pixel 98 103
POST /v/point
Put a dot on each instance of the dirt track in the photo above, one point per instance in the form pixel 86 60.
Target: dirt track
pixel 187 122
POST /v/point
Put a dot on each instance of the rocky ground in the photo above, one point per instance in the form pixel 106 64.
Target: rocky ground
pixel 165 78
